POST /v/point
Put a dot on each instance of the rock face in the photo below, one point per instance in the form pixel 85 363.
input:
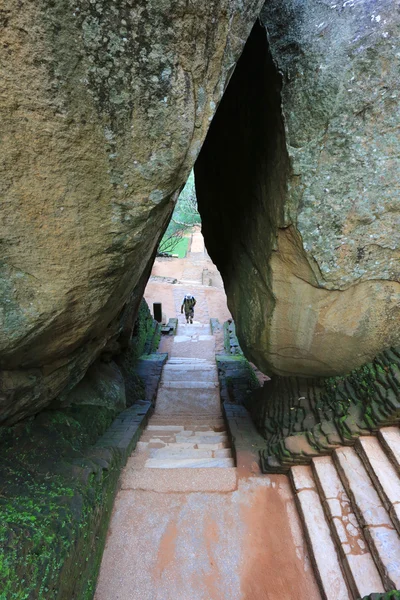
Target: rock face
pixel 104 107
pixel 298 187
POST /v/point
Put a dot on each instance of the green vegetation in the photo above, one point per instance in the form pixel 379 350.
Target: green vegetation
pixel 393 595
pixel 185 216
pixel 50 498
pixel 182 247
pixel 57 490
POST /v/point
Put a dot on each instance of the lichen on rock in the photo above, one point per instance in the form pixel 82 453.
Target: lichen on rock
pixel 298 187
pixel 104 108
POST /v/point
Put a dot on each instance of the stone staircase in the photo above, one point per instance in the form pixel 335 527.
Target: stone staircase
pixel 349 504
pixel 197 444
pixel 187 429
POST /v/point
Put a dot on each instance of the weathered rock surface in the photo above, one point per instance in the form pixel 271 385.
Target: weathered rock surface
pixel 300 169
pixel 103 385
pixel 104 106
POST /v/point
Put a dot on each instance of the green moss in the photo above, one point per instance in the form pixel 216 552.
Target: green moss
pixel 47 503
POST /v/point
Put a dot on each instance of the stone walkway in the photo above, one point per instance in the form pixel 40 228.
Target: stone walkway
pixel 184 525
pixel 188 525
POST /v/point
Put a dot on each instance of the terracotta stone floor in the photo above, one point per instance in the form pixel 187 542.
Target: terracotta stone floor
pixel 184 526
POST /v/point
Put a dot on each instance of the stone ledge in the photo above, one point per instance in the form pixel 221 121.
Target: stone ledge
pixel 124 433
pixel 304 418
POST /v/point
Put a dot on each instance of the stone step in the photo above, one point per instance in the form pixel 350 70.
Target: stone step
pixel 379 531
pixel 195 366
pixel 203 376
pixel 172 452
pixel 189 463
pixel 198 427
pixel 174 428
pixel 322 548
pixel 174 360
pixel 204 433
pixel 203 439
pixel 191 421
pixel 188 385
pixel 180 480
pixel 360 569
pixel 188 443
pixel 383 474
pixel 390 440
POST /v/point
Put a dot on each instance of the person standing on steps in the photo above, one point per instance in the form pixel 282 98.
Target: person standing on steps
pixel 188 305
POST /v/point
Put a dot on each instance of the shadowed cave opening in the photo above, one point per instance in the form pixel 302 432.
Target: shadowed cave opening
pixel 240 178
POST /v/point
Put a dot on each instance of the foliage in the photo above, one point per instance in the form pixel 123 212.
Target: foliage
pixel 184 217
pixel 186 211
pixel 172 238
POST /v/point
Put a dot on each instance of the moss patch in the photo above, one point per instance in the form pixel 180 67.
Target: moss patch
pixel 57 491
pixel 49 497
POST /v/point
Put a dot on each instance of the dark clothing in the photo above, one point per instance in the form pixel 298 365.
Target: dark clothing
pixel 188 305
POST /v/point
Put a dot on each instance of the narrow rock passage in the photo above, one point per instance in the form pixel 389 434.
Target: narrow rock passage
pixel 184 527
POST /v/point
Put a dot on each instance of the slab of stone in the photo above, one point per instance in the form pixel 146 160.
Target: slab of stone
pixel 191 365
pixel 189 463
pixel 212 445
pixel 390 440
pixel 181 453
pixel 174 428
pixel 324 556
pixel 383 474
pixel 203 439
pixel 152 436
pixel 360 567
pixel 188 385
pixel 383 539
pixel 190 402
pixel 209 375
pixel 302 478
pixel 180 480
pixel 206 546
pixel 223 453
pixel 182 360
pixel 181 338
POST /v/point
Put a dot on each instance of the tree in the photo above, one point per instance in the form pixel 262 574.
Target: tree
pixel 183 218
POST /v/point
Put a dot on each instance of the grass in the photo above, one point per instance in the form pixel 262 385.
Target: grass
pixel 182 247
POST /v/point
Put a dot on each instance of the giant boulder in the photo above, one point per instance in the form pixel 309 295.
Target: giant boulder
pixel 104 107
pixel 298 186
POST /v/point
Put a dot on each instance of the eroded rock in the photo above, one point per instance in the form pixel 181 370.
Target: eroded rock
pixel 104 108
pixel 299 175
